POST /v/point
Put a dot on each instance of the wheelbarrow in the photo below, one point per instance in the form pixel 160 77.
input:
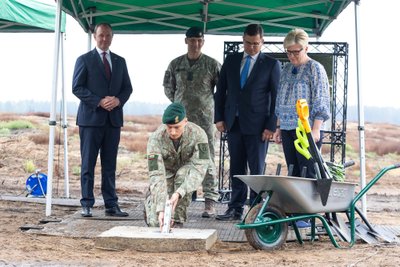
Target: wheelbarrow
pixel 283 200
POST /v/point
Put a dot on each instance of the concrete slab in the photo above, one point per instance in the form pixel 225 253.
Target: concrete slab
pixel 150 239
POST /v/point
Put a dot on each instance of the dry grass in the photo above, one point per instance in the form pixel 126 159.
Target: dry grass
pixel 136 130
pixel 9 117
pixel 146 120
pixel 39 114
pixel 147 128
pixel 382 148
pixel 144 124
pixel 43 138
pixel 74 130
pixel 39 139
pixel 134 134
pixel 380 139
pixel 131 128
pixel 135 143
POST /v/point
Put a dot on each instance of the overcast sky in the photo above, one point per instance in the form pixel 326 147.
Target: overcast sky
pixel 28 71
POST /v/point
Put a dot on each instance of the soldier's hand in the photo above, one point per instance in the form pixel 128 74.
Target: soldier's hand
pixel 161 219
pixel 174 200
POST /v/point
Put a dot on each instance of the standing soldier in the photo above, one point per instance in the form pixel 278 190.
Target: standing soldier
pixel 178 159
pixel 190 79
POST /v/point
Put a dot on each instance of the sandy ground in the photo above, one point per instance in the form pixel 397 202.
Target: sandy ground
pixel 19 248
pixel 22 249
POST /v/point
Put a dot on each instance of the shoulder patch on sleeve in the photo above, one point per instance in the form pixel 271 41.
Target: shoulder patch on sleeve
pixel 203 151
pixel 153 162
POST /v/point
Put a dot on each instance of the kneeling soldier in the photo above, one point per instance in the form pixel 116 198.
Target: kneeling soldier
pixel 178 157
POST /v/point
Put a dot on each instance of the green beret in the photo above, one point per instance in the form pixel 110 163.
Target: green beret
pixel 194 32
pixel 174 113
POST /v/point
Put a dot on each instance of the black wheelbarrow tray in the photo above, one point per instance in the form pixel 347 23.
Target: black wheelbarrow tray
pixel 283 200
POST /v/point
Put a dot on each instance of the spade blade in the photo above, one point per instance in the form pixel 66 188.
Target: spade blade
pixel 323 188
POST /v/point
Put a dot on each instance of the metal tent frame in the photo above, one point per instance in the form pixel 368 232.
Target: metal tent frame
pixel 227 17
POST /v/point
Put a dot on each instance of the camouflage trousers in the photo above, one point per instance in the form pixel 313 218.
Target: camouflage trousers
pixel 210 182
pixel 180 213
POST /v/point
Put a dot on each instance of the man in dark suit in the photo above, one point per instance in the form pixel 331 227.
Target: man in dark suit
pixel 101 82
pixel 245 108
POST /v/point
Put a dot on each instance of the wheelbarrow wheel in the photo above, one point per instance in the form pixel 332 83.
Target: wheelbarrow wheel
pixel 266 237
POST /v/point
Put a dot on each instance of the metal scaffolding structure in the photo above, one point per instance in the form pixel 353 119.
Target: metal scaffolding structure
pixel 334 57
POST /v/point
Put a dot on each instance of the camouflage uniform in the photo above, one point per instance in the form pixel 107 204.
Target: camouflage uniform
pixel 171 170
pixel 193 86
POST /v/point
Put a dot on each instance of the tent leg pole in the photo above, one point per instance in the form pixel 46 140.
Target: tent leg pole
pixel 52 120
pixel 361 126
pixel 64 123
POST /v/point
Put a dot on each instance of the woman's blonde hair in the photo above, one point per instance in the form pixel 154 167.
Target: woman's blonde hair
pixel 296 36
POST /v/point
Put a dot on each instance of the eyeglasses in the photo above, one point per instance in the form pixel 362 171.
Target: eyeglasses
pixel 251 44
pixel 293 52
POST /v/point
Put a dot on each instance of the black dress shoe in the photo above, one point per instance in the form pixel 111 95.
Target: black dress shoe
pixel 86 212
pixel 116 212
pixel 230 215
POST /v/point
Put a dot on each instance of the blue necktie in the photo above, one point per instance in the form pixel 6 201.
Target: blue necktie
pixel 245 71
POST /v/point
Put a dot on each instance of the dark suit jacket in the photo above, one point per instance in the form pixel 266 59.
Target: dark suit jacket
pixel 255 102
pixel 90 85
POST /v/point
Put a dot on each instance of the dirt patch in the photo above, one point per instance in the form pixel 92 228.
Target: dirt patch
pixel 20 248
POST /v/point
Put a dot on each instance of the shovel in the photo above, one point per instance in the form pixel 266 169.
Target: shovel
pixel 341 228
pixel 323 184
pixel 376 232
pixel 302 146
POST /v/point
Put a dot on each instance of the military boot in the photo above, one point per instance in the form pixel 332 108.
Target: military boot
pixel 209 208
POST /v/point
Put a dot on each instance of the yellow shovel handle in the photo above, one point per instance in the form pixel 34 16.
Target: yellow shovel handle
pixel 303 113
pixel 301 143
pixel 301 150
